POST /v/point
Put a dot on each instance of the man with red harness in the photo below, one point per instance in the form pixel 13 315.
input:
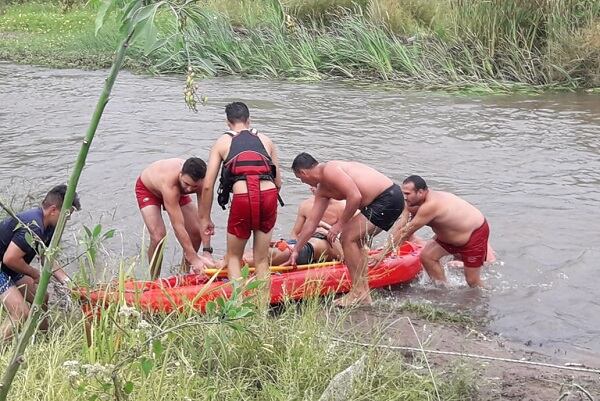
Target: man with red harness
pixel 251 172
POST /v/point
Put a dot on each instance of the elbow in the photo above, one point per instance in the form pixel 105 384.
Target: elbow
pixel 9 260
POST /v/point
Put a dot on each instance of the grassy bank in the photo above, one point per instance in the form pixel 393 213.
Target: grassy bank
pixel 289 357
pixel 423 43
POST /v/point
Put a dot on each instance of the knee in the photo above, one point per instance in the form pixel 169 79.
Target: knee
pixel 194 233
pixel 473 279
pixel 348 238
pixel 425 256
pixel 26 283
pixel 156 236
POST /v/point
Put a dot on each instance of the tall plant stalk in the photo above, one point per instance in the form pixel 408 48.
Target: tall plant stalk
pixel 36 308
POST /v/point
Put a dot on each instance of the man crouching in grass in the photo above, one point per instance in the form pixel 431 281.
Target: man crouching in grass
pixel 18 279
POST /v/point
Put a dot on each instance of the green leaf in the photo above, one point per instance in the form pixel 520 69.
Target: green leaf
pixel 150 36
pixel 146 365
pixel 211 307
pixel 93 398
pixel 139 30
pixel 102 12
pixel 244 312
pixel 97 231
pixel 254 285
pixel 245 271
pixel 145 13
pixel 109 234
pixel 128 388
pixel 221 302
pixel 157 45
pixel 29 239
pixel 235 326
pixel 157 347
pixel 88 232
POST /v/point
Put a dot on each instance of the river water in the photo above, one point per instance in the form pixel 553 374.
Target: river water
pixel 531 163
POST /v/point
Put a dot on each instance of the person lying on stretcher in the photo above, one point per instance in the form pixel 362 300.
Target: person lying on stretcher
pixel 317 249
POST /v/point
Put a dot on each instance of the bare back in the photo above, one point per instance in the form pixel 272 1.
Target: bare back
pixel 454 219
pixel 370 182
pixel 162 176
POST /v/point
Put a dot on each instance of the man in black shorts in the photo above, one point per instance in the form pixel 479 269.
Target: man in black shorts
pixel 363 188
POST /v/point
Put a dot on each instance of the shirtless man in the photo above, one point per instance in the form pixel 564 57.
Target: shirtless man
pixel 318 248
pixel 459 227
pixel 363 188
pixel 168 184
pixel 251 172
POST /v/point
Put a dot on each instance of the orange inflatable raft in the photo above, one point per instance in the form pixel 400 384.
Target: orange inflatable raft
pixel 177 292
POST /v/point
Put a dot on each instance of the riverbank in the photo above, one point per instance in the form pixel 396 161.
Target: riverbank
pixel 423 44
pixel 295 354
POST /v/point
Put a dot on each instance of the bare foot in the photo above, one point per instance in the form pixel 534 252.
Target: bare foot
pixel 354 298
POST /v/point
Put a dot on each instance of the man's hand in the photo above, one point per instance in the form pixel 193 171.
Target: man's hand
pixel 207 227
pixel 334 232
pixel 35 275
pixel 208 260
pixel 292 259
pixel 197 265
pixel 375 258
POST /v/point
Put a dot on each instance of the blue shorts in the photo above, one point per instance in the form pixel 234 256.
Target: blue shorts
pixel 8 278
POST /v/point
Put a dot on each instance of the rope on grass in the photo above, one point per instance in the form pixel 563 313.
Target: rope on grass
pixel 453 353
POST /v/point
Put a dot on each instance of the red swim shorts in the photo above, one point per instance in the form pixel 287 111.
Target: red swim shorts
pixel 240 221
pixel 145 197
pixel 474 252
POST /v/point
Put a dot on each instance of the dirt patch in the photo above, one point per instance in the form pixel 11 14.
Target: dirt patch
pixel 496 379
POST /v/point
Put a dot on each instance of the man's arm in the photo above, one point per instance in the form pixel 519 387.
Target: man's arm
pixel 300 220
pixel 339 181
pixel 171 200
pixel 312 221
pixel 402 232
pixel 14 260
pixel 60 274
pixel 206 200
pixel 203 236
pixel 275 160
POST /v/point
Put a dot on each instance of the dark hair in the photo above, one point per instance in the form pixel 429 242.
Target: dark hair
pixel 417 181
pixel 237 112
pixel 195 168
pixel 304 161
pixel 56 197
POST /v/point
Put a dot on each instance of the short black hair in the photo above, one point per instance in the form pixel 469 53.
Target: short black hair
pixel 304 161
pixel 195 168
pixel 56 197
pixel 417 181
pixel 237 112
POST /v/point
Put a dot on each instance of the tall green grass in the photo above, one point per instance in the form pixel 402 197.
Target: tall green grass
pixel 424 43
pixel 292 356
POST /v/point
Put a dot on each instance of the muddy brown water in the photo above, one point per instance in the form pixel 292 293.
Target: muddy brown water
pixel 531 163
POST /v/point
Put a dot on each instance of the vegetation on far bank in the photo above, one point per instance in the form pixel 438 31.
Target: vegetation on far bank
pixel 422 43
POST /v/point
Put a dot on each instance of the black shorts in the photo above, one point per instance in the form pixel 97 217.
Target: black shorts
pixel 306 255
pixel 386 208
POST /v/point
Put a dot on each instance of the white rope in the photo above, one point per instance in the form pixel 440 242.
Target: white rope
pixel 453 353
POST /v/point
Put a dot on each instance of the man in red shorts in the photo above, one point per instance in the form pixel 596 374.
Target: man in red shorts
pixel 251 172
pixel 168 184
pixel 460 229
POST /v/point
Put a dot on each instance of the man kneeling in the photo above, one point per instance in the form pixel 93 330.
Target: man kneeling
pixel 18 279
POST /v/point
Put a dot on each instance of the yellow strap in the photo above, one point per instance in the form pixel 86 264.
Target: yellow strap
pixel 277 269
